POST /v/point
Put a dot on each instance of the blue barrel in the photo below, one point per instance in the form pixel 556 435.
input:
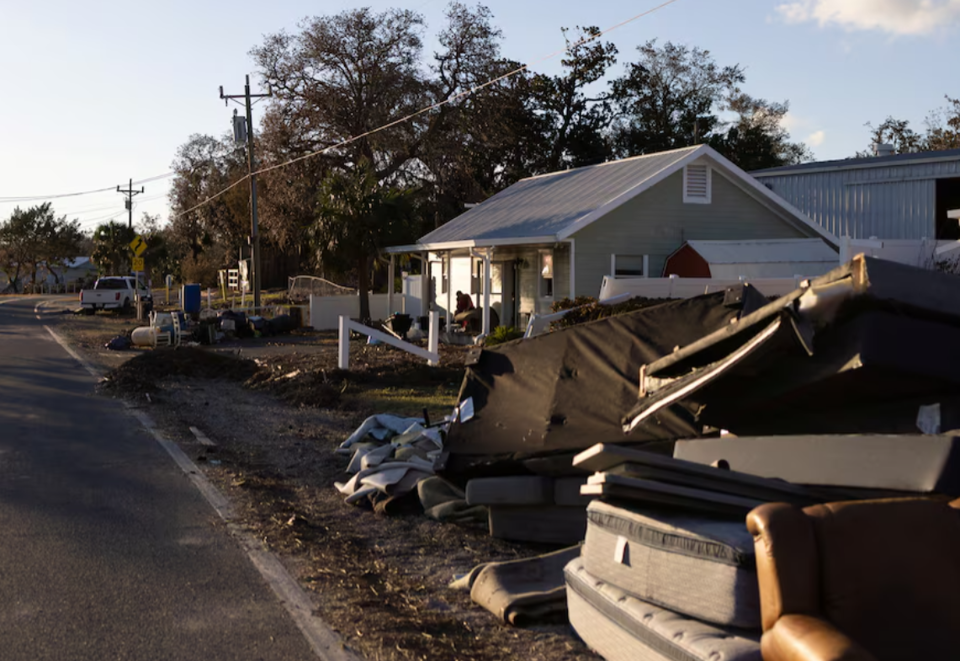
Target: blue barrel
pixel 190 295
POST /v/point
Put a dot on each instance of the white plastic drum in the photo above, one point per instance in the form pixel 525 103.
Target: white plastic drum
pixel 145 336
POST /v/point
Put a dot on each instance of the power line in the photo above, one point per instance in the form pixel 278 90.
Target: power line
pixel 33 198
pixel 434 106
pixel 57 196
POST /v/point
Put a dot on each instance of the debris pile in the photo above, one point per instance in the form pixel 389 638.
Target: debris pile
pixel 142 373
pixel 650 436
pixel 390 456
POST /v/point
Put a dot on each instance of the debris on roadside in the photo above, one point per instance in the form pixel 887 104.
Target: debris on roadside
pixel 119 343
pixel 143 372
pixel 390 456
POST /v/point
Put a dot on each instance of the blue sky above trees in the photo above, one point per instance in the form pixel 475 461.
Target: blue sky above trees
pixel 101 92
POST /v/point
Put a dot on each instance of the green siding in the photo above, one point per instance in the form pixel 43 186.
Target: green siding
pixel 657 222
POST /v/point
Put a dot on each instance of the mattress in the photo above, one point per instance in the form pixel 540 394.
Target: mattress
pixel 622 628
pixel 698 566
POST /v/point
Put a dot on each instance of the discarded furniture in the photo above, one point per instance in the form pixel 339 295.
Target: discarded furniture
pixel 631 462
pixel 567 390
pixel 522 592
pixel 622 628
pixel 532 508
pixel 913 463
pixel 868 580
pixel 858 350
pixel 700 566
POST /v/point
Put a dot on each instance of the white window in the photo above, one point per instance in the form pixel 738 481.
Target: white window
pixel 546 274
pixel 629 266
pixel 697 184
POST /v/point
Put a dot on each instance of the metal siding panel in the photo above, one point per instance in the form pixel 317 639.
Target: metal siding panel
pixel 866 202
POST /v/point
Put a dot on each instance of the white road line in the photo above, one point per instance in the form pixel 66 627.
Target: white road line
pixel 325 642
pixel 203 438
pixel 14 299
pixel 87 366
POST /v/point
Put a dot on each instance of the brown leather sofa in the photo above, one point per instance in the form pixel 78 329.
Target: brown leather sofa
pixel 870 580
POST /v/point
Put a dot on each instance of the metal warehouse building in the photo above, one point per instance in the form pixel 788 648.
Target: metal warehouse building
pixel 905 196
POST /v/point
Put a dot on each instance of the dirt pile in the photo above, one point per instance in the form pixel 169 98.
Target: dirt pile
pixel 143 373
pixel 314 379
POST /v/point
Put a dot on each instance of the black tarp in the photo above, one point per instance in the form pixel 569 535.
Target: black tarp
pixel 568 390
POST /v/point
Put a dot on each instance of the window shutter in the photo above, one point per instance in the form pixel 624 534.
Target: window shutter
pixel 696 184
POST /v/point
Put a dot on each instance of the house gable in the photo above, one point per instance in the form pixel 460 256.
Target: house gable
pixel 657 222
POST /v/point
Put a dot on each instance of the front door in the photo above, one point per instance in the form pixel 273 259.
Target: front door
pixel 510 292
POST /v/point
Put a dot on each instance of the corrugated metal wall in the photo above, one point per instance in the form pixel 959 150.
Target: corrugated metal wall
pixel 892 202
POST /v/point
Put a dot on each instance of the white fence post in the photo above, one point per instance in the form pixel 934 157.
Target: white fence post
pixel 433 339
pixel 343 362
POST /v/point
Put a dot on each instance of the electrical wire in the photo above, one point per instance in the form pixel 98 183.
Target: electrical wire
pixel 165 175
pixel 58 196
pixel 434 106
pixel 35 198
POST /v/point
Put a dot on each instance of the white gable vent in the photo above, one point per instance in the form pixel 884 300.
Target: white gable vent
pixel 697 187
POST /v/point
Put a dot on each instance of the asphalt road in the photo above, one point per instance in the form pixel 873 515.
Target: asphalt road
pixel 107 551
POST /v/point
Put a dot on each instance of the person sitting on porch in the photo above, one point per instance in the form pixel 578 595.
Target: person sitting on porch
pixel 464 302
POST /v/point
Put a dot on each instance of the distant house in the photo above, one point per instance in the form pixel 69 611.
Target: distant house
pixel 555 236
pixel 905 196
pixel 768 258
pixel 72 271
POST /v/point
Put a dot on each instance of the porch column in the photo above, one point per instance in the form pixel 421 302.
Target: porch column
pixel 487 286
pixel 391 278
pixel 448 269
pixel 427 304
pixel 573 269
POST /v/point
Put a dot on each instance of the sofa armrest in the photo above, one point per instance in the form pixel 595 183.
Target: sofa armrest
pixel 806 638
pixel 788 567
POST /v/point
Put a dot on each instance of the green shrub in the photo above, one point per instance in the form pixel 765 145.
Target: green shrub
pixel 502 334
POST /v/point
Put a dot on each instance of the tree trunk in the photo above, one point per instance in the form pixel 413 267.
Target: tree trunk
pixel 15 281
pixel 363 287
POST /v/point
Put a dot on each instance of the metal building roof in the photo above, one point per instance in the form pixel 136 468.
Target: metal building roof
pixel 554 206
pixel 858 163
pixel 791 251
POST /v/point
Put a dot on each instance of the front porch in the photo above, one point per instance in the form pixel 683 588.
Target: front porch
pixel 507 283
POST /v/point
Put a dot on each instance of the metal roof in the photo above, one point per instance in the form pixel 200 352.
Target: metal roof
pixel 791 251
pixel 854 163
pixel 546 205
pixel 553 207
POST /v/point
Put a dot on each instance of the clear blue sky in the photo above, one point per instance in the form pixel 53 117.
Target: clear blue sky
pixel 101 91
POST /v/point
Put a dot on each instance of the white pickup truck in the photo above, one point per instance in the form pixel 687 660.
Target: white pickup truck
pixel 114 293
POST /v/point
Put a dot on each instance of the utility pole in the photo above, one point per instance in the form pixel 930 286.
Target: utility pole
pixel 252 168
pixel 129 194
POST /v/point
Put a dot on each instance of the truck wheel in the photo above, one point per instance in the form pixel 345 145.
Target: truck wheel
pixel 126 304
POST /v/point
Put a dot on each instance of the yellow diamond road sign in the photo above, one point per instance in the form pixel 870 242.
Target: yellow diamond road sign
pixel 137 264
pixel 138 246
